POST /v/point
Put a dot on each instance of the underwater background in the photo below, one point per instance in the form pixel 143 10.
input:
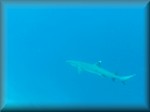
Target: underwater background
pixel 40 38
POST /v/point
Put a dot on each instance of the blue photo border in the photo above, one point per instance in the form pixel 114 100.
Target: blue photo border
pixel 3 108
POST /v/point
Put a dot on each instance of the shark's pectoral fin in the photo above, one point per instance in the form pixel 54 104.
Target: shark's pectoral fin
pixel 103 75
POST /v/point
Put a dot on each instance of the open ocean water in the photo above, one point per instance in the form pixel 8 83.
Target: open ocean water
pixel 38 39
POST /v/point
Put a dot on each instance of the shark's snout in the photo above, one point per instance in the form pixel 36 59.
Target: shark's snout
pixel 69 61
pixel 73 63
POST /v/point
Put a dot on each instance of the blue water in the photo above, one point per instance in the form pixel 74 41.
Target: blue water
pixel 38 39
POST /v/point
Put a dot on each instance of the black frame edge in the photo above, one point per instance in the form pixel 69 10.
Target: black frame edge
pixel 148 52
pixel 1 56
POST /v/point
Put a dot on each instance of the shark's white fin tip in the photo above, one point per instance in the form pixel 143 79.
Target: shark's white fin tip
pixel 99 63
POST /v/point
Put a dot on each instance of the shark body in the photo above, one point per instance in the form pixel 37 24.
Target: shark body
pixel 97 69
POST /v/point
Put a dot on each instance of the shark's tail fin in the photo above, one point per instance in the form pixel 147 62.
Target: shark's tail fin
pixel 124 78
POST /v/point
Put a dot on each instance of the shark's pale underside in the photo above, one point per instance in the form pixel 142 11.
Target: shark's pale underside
pixel 97 69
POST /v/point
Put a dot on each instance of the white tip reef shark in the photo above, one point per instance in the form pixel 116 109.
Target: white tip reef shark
pixel 97 69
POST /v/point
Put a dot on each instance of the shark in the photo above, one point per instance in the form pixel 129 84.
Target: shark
pixel 97 69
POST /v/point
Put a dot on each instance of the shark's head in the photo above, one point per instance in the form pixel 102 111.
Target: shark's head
pixel 73 63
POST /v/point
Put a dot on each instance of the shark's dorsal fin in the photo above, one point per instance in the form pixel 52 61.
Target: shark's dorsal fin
pixel 99 63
